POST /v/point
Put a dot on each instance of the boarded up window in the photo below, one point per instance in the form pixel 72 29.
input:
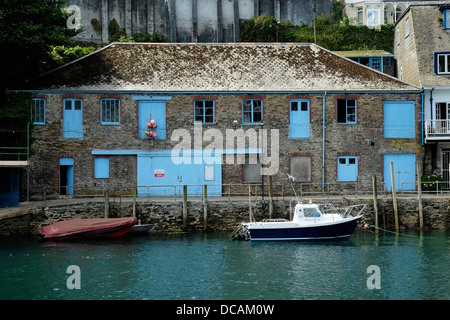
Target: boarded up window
pixel 300 168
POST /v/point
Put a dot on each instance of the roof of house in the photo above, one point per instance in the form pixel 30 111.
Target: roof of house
pixel 429 37
pixel 364 53
pixel 155 67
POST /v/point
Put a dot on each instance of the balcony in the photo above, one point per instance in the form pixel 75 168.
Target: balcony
pixel 437 130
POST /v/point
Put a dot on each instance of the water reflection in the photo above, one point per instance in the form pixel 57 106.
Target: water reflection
pixel 211 266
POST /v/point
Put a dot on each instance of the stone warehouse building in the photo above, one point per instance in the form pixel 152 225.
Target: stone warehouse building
pixel 326 119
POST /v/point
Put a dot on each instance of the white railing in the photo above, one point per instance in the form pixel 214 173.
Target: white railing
pixel 437 128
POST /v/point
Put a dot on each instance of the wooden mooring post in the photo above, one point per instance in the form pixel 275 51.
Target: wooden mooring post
pixel 394 197
pixel 375 201
pixel 419 195
pixel 270 197
pixel 106 197
pixel 184 206
pixel 205 207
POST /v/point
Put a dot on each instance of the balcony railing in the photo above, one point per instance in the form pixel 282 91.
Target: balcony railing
pixel 437 129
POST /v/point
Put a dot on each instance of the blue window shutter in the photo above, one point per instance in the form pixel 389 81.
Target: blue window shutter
pixel 72 118
pixel 101 168
pixel 399 119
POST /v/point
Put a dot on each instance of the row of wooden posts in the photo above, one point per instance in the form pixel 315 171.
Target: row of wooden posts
pixel 205 203
pixel 394 198
pixel 270 202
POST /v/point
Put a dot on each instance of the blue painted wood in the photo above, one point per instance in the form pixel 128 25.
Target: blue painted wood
pixel 404 171
pixel 72 118
pixel 161 174
pixel 101 168
pixel 347 168
pixel 399 119
pixel 157 111
pixel 299 119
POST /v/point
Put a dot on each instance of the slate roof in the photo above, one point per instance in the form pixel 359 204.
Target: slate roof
pixel 150 67
pixel 429 37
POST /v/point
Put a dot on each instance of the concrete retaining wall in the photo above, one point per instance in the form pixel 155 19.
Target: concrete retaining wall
pixel 224 215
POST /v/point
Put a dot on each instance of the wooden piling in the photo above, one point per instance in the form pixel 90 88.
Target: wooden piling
pixel 375 201
pixel 270 197
pixel 184 206
pixel 205 207
pixel 250 213
pixel 106 197
pixel 134 201
pixel 419 195
pixel 394 197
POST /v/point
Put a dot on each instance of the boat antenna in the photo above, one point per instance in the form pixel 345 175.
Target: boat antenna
pixel 292 179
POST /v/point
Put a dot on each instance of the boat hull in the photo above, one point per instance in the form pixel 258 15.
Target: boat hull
pixel 95 228
pixel 336 230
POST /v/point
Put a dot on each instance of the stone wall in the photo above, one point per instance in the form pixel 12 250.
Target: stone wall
pixel 340 139
pixel 226 215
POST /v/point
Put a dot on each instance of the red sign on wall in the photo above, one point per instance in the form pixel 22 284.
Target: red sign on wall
pixel 159 173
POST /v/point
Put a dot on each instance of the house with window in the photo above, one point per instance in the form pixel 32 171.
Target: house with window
pixel 373 13
pixel 160 116
pixel 379 60
pixel 422 51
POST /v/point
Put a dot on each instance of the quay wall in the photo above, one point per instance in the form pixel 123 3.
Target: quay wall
pixel 223 215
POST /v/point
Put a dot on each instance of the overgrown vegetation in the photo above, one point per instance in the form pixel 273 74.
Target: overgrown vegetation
pixel 332 32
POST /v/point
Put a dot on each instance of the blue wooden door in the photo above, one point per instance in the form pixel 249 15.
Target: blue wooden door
pixel 158 175
pixel 404 171
pixel 299 119
pixel 347 168
pixel 155 110
pixel 399 119
pixel 73 118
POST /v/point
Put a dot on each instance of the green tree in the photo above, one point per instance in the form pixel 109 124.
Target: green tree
pixel 28 31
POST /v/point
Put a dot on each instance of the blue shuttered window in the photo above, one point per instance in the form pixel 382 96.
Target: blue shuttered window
pixel 347 168
pixel 399 119
pixel 73 118
pixel 101 168
pixel 299 126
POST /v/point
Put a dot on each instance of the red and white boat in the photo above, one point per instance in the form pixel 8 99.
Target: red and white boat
pixel 92 228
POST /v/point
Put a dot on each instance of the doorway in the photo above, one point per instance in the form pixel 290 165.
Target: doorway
pixel 66 176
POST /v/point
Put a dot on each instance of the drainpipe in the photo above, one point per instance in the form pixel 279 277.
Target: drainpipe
pixel 323 142
pixel 431 106
pixel 422 95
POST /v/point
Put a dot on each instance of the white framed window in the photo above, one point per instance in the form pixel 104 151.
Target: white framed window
pixel 373 15
pixel 442 63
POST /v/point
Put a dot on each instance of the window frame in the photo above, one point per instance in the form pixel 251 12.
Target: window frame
pixel 446 16
pixel 446 56
pixel 204 109
pixel 33 111
pixel 103 121
pixel 347 121
pixel 252 111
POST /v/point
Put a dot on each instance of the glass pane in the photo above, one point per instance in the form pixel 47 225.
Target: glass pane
pixel 77 104
pixel 304 106
pixel 351 161
pixel 441 59
pixel 247 105
pixel 294 106
pixel 342 160
pixel 68 105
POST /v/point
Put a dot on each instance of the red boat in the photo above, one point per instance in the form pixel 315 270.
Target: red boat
pixel 93 228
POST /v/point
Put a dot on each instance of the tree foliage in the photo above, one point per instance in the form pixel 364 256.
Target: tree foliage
pixel 28 30
pixel 332 33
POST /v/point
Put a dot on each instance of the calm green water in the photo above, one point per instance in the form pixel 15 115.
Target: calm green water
pixel 212 266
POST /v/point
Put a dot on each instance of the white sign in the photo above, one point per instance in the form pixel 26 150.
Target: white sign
pixel 159 173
